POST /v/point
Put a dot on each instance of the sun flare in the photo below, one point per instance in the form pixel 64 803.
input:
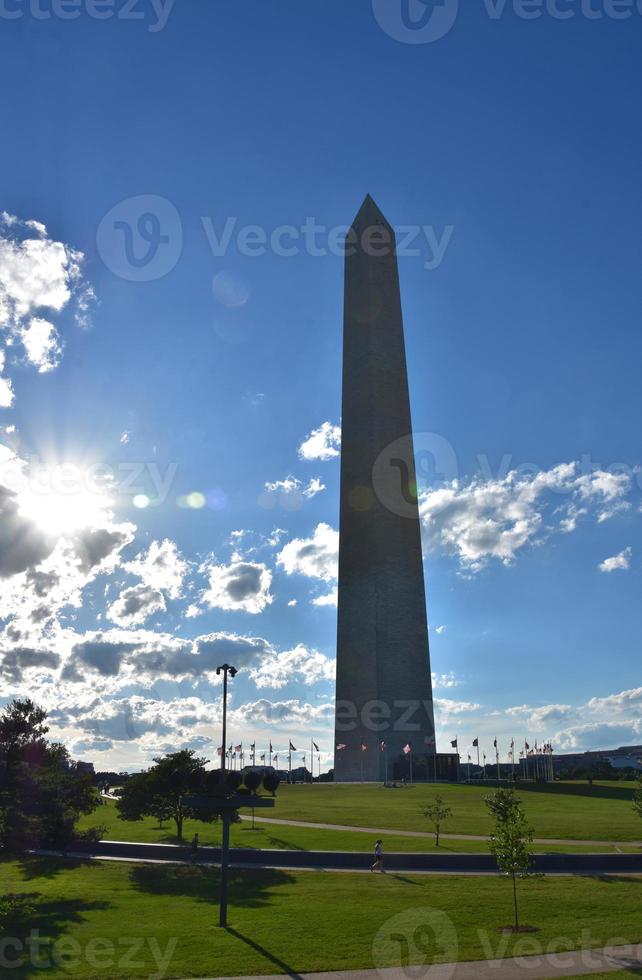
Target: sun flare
pixel 59 507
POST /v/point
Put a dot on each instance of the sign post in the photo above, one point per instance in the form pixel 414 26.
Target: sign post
pixel 225 805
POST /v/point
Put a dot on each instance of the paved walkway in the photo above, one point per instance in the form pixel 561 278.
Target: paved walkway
pixel 349 861
pixel 423 833
pixel 544 967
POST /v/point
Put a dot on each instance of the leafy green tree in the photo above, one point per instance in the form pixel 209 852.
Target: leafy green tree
pixel 437 812
pixel 271 782
pixel 158 791
pixel 637 798
pixel 509 841
pixel 502 804
pixel 42 791
pixel 252 780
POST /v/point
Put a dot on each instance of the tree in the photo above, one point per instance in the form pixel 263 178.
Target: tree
pixel 437 812
pixel 252 780
pixel 271 782
pixel 42 791
pixel 637 798
pixel 509 841
pixel 502 803
pixel 158 791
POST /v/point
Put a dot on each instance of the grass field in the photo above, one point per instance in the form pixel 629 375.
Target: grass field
pixel 287 838
pixel 296 921
pixel 563 810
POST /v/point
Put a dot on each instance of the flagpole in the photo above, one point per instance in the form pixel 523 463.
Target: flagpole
pixel 411 765
pixel 290 763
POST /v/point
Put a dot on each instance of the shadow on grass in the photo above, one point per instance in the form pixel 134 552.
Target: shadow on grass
pixel 621 879
pixel 50 867
pixel 51 921
pixel 405 880
pixel 579 789
pixel 270 957
pixel 249 890
pixel 283 845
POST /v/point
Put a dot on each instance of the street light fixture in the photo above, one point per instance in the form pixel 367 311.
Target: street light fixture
pixel 225 669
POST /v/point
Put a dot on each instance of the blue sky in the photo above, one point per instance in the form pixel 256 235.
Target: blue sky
pixel 509 150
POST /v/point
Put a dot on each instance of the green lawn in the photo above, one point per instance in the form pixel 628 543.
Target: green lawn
pixel 275 836
pixel 563 810
pixel 616 975
pixel 298 921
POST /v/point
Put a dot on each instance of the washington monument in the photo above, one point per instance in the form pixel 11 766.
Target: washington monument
pixel 384 713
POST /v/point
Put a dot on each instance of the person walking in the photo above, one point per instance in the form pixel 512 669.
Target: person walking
pixel 378 861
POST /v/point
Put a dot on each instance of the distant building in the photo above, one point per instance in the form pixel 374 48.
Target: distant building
pixel 626 757
pixel 86 767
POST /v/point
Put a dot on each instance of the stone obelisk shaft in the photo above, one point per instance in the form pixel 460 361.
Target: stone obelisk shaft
pixel 384 689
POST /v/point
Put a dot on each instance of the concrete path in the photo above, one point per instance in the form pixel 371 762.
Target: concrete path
pixel 423 833
pixel 543 967
pixel 350 861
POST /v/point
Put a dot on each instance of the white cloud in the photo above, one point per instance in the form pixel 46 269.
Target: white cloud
pixel 329 599
pixel 37 274
pixel 316 557
pixel 621 562
pixel 444 680
pixel 323 443
pixel 6 388
pixel 314 487
pixel 598 735
pixel 135 605
pixel 242 585
pixel 293 712
pixel 292 485
pixel 490 520
pixel 41 344
pixel 161 567
pixel 278 669
pixel 448 707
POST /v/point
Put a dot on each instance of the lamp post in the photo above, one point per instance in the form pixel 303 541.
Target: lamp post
pixel 225 669
pixel 225 843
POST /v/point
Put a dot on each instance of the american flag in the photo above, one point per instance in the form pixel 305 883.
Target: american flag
pixel 239 747
pixel 341 746
pixel 263 757
pixel 407 748
pixel 292 747
pixel 382 745
pixel 364 747
pixel 316 747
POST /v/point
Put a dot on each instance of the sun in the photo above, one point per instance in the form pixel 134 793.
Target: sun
pixel 59 507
